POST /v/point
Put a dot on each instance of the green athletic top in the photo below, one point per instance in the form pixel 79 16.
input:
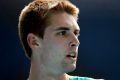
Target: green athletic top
pixel 82 78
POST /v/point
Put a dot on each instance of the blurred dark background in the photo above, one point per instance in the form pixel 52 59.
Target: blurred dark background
pixel 99 52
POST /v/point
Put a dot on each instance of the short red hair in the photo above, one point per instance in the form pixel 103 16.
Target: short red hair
pixel 34 18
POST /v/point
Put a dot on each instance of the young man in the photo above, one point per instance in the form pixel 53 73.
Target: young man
pixel 49 33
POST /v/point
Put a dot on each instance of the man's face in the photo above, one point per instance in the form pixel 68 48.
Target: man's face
pixel 60 44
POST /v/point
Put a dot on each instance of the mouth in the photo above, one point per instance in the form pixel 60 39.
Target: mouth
pixel 72 55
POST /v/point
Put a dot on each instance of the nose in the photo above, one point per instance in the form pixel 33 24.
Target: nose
pixel 74 42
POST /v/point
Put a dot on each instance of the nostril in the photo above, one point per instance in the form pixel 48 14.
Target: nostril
pixel 72 45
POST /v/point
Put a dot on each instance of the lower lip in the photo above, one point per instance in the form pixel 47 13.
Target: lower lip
pixel 71 58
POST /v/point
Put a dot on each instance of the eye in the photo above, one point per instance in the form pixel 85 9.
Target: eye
pixel 77 34
pixel 62 33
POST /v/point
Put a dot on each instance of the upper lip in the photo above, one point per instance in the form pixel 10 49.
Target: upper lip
pixel 73 53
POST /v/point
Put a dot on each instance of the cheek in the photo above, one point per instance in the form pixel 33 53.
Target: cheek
pixel 54 54
pixel 55 50
pixel 56 46
pixel 56 43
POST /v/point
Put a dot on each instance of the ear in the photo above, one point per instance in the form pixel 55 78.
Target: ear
pixel 33 40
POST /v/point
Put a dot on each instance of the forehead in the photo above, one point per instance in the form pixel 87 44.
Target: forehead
pixel 63 20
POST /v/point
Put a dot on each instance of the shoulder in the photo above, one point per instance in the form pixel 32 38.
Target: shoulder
pixel 82 78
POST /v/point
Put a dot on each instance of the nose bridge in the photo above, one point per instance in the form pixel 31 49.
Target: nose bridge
pixel 74 41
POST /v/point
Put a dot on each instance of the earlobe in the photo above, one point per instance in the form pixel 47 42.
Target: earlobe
pixel 32 40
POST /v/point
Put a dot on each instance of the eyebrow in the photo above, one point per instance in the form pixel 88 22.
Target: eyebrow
pixel 62 28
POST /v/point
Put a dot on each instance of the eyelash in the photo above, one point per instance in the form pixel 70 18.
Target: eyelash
pixel 62 33
pixel 77 34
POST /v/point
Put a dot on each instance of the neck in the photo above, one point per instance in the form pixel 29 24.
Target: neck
pixel 39 72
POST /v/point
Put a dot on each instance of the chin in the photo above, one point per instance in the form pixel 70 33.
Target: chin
pixel 70 68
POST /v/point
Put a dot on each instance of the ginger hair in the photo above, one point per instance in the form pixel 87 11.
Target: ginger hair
pixel 34 18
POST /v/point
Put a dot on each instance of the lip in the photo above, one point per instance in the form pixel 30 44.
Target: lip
pixel 73 52
pixel 72 58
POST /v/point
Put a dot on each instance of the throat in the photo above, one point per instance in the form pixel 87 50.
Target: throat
pixel 41 76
